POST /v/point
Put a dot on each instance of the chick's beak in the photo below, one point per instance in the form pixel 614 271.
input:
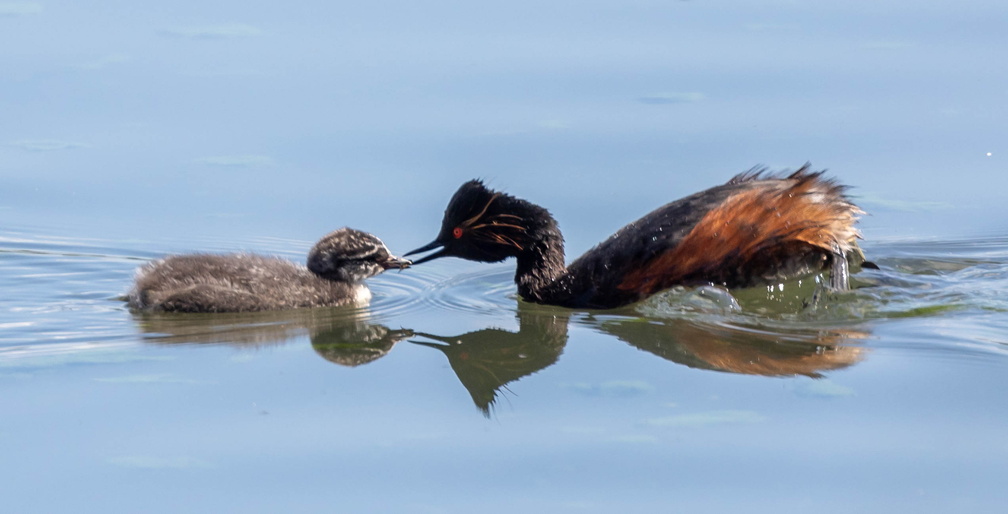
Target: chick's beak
pixel 430 246
pixel 396 262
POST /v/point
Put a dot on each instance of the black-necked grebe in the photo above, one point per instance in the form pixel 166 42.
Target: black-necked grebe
pixel 755 229
pixel 337 265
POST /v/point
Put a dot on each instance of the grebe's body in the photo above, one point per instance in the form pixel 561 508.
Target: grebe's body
pixel 755 229
pixel 337 266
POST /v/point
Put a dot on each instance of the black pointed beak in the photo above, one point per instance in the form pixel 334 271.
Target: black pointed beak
pixel 432 245
pixel 396 262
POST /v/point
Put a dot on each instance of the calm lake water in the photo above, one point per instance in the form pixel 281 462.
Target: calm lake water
pixel 130 132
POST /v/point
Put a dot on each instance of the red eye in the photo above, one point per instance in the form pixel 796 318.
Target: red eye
pixel 457 232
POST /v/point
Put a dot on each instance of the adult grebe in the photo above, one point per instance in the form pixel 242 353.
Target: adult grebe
pixel 337 265
pixel 755 229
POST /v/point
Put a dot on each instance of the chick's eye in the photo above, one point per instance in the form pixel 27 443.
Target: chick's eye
pixel 457 232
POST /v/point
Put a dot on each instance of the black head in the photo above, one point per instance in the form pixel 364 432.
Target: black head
pixel 349 255
pixel 484 225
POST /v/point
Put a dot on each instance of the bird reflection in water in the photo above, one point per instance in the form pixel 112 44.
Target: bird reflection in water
pixel 338 335
pixel 742 350
pixel 486 361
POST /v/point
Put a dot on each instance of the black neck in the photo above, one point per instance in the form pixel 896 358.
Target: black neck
pixel 541 261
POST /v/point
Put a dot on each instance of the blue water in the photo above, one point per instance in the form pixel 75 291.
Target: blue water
pixel 132 131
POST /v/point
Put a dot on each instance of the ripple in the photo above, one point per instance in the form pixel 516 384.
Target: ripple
pixel 71 291
pixel 61 353
pixel 63 293
pixel 917 279
pixel 422 288
pixel 478 292
pixel 23 244
pixel 399 292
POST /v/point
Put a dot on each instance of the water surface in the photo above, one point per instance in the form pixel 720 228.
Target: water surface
pixel 134 132
pixel 895 386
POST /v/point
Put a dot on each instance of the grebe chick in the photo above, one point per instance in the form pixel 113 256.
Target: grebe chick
pixel 337 266
pixel 754 229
